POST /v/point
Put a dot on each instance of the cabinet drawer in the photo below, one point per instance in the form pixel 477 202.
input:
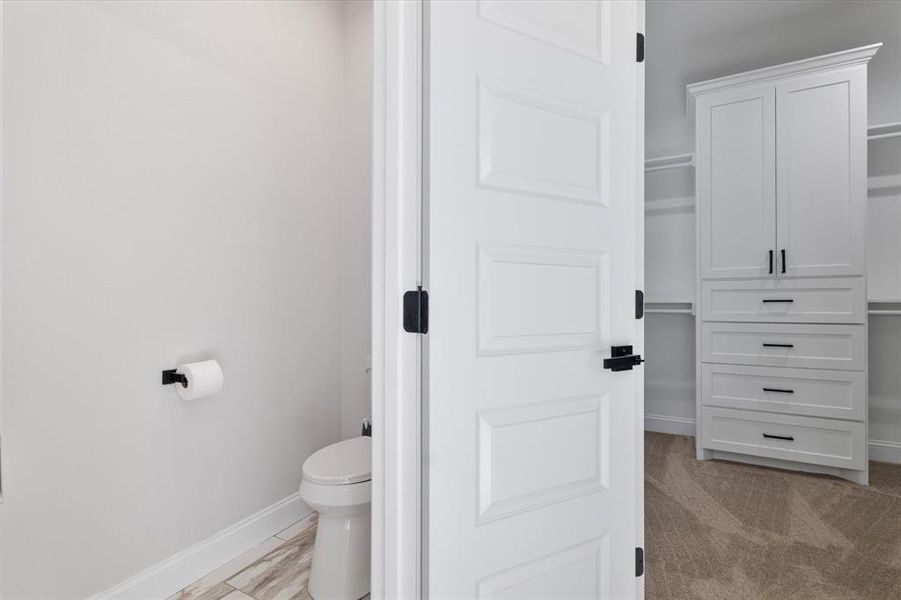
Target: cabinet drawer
pixel 803 439
pixel 778 345
pixel 785 300
pixel 811 392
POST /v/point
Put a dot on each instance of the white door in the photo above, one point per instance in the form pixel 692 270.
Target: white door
pixel 533 448
pixel 736 142
pixel 821 173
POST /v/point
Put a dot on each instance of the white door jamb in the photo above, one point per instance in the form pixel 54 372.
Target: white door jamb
pixel 396 260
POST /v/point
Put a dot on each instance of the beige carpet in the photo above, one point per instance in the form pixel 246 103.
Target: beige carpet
pixel 720 530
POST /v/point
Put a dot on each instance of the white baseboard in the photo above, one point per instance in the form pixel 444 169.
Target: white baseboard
pixel 666 424
pixel 880 450
pixel 183 568
pixel 885 451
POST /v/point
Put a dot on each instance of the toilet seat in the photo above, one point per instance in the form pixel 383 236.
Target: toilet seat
pixel 343 463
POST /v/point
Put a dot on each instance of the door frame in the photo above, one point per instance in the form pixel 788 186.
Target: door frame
pixel 397 266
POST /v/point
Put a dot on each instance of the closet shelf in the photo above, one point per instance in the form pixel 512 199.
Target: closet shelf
pixel 684 307
pixel 884 307
pixel 881 132
pixel 678 161
pixel 669 307
pixel 884 182
pixel 669 311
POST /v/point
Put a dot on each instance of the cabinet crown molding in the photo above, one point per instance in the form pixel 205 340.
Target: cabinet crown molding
pixel 844 58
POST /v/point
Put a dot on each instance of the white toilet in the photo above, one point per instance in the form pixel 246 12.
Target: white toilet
pixel 337 484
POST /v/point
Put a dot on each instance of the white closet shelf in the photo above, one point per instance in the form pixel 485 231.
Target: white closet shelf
pixel 884 182
pixel 669 307
pixel 884 307
pixel 881 132
pixel 684 307
pixel 678 161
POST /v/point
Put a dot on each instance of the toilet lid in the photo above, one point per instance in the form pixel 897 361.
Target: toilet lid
pixel 346 462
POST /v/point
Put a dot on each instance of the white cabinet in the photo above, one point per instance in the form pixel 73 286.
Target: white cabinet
pixel 827 442
pixel 780 345
pixel 737 193
pixel 811 392
pixel 781 173
pixel 821 300
pixel 781 291
pixel 821 137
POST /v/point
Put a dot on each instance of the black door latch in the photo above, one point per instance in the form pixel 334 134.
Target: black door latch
pixel 622 359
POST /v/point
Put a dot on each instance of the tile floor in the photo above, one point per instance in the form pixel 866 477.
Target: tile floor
pixel 277 569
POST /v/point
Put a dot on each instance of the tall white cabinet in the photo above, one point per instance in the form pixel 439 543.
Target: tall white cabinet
pixel 781 304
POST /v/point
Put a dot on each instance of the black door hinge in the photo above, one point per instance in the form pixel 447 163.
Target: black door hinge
pixel 622 359
pixel 416 311
pixel 639 562
pixel 639 47
pixel 639 304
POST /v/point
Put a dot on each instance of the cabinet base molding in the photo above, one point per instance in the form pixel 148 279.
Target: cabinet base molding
pixel 859 477
pixel 880 450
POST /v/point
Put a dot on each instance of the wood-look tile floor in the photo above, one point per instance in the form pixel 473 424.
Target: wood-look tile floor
pixel 277 569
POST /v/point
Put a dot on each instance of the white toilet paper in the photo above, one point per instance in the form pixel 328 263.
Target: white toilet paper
pixel 204 379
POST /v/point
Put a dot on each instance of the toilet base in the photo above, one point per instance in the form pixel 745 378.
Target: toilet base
pixel 340 569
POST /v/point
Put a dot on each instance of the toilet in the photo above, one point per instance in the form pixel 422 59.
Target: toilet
pixel 337 484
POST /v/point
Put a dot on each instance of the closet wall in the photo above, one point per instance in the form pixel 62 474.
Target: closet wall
pixel 694 41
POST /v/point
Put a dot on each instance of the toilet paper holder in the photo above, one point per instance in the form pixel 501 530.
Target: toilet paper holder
pixel 170 377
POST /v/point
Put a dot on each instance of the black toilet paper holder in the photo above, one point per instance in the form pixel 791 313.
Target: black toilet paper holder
pixel 170 377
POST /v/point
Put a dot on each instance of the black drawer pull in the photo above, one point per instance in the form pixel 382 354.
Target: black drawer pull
pixel 778 390
pixel 780 300
pixel 768 345
pixel 787 438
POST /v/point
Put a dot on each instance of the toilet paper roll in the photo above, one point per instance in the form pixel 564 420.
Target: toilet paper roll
pixel 204 379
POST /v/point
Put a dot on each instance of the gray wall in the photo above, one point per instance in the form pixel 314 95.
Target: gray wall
pixel 356 174
pixel 172 189
pixel 690 41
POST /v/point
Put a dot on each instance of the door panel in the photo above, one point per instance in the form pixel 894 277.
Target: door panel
pixel 821 133
pixel 737 204
pixel 532 132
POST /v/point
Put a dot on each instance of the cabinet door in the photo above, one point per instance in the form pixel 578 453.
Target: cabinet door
pixel 736 150
pixel 821 173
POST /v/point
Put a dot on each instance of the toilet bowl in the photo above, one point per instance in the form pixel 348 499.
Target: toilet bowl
pixel 337 484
